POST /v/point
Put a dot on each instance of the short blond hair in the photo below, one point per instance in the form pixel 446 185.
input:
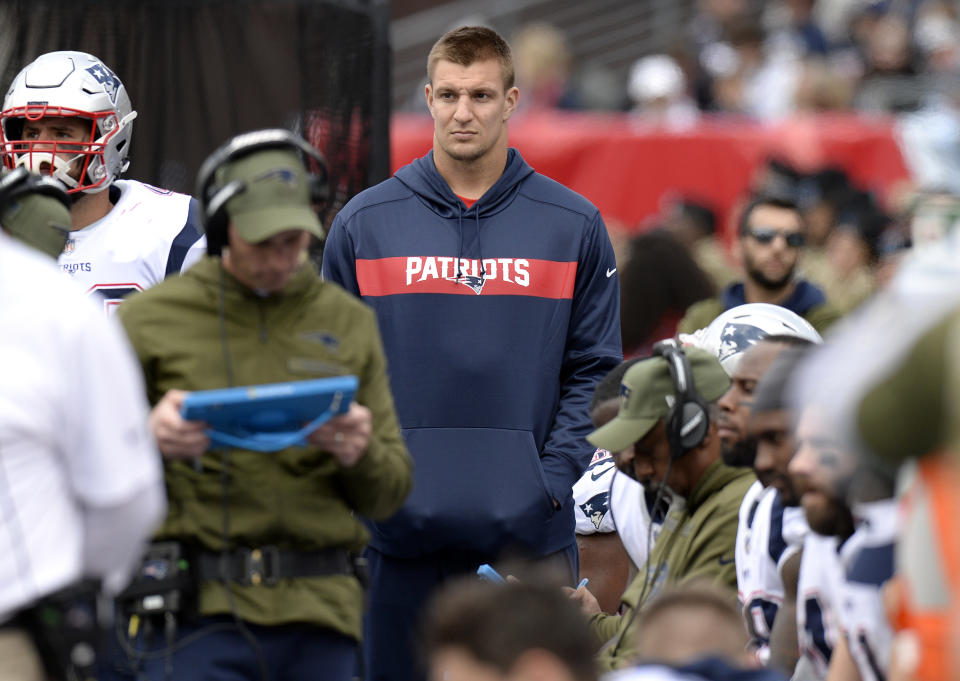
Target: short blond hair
pixel 469 44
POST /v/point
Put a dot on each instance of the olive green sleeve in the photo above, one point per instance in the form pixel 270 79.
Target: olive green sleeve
pixel 699 315
pixel 604 627
pixel 908 411
pixel 132 320
pixel 822 317
pixel 379 483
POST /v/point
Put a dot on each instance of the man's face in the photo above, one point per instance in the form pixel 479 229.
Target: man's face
pixel 773 433
pixel 63 132
pixel 771 264
pixel 470 108
pixel 736 445
pixel 266 266
pixel 648 459
pixel 818 470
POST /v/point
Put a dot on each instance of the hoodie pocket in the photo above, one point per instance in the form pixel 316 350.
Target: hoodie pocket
pixel 476 489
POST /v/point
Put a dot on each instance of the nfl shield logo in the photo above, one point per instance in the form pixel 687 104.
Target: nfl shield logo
pixel 68 247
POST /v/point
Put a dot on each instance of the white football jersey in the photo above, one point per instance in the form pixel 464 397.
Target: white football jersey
pixel 768 534
pixel 818 593
pixel 867 558
pixel 606 500
pixel 148 235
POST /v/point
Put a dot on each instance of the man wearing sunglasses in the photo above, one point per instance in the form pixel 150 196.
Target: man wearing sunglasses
pixel 772 237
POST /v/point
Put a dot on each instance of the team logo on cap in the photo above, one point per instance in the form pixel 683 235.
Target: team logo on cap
pixel 625 393
pixel 282 175
pixel 735 338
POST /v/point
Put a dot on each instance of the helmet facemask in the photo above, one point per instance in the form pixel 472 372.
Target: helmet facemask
pixel 79 164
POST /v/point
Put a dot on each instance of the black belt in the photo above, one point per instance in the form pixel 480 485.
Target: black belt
pixel 268 564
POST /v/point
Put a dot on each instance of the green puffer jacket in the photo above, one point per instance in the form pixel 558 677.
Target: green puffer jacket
pixel 696 543
pixel 300 498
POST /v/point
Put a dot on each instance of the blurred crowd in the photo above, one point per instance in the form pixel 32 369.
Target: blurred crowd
pixel 764 60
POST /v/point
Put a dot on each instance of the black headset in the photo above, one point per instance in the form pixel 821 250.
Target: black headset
pixel 21 181
pixel 688 419
pixel 213 198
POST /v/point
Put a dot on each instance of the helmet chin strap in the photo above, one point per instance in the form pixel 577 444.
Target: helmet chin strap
pixel 61 168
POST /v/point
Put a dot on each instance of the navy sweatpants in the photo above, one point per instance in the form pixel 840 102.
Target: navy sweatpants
pixel 399 589
pixel 215 649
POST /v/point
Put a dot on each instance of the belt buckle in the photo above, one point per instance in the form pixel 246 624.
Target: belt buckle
pixel 261 565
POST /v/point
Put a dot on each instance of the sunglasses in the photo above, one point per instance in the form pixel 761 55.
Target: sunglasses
pixel 766 235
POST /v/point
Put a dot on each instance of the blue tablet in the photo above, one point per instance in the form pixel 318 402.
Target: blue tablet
pixel 272 416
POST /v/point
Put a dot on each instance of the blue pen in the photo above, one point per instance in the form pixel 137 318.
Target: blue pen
pixel 488 573
pixel 583 583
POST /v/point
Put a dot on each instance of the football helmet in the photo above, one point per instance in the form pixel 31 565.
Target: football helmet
pixel 68 85
pixel 730 335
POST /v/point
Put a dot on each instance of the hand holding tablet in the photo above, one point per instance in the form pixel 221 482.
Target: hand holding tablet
pixel 269 417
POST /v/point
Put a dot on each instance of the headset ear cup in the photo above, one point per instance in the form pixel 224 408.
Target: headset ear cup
pixel 693 426
pixel 216 231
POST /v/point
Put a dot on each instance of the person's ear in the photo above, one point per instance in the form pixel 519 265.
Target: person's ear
pixel 512 99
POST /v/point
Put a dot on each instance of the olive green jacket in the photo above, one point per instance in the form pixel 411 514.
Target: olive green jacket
pixel 299 498
pixel 696 543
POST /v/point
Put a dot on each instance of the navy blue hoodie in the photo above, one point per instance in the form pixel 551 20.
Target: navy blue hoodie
pixel 497 321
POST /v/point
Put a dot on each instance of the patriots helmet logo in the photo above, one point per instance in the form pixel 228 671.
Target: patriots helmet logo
pixel 107 78
pixel 596 507
pixel 735 338
pixel 474 283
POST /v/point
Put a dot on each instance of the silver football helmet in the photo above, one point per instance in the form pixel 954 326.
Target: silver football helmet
pixel 69 85
pixel 730 335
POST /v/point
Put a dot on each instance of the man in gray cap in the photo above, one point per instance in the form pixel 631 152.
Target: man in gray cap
pixel 665 436
pixel 273 538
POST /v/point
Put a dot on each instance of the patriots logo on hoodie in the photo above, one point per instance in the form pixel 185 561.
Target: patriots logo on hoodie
pixel 475 283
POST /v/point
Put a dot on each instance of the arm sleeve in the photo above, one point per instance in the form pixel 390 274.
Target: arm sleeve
pixel 604 627
pixel 592 350
pixel 112 464
pixel 379 483
pixel 114 537
pixel 339 262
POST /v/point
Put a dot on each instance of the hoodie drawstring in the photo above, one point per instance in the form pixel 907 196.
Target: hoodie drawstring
pixel 483 269
pixel 460 247
pixel 476 218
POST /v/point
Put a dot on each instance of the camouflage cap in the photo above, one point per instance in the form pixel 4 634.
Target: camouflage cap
pixel 276 196
pixel 37 220
pixel 647 394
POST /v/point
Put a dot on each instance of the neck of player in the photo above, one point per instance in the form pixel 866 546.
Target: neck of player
pixel 471 179
pixel 754 293
pixel 89 208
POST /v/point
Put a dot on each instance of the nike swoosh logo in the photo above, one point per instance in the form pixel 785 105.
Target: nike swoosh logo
pixel 597 476
pixel 610 272
pixel 725 562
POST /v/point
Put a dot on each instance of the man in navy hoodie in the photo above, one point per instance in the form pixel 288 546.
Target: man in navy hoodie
pixel 498 302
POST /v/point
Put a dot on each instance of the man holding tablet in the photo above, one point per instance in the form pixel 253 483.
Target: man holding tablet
pixel 270 539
